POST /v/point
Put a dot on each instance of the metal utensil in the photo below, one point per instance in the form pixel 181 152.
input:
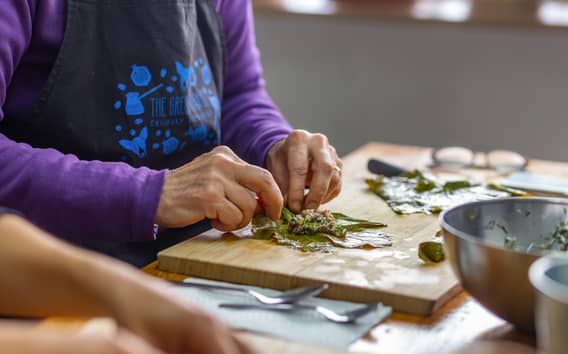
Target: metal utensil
pixel 497 276
pixel 380 167
pixel 333 316
pixel 286 297
pixel 549 276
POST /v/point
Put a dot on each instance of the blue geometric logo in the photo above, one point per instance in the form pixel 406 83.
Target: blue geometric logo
pixel 167 112
pixel 137 145
pixel 140 75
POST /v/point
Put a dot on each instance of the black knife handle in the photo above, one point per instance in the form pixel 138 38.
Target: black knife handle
pixel 382 168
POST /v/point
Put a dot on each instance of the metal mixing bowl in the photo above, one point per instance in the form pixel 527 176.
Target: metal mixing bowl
pixel 496 275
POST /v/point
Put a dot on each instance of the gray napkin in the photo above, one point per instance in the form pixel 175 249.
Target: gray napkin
pixel 299 326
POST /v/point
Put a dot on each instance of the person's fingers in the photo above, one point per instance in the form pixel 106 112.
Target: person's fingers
pixel 242 347
pixel 279 171
pixel 336 179
pixel 298 168
pixel 262 183
pixel 226 344
pixel 323 167
pixel 334 187
pixel 224 215
pixel 338 161
pixel 127 343
pixel 259 209
pixel 226 151
pixel 210 336
pixel 244 200
pixel 120 342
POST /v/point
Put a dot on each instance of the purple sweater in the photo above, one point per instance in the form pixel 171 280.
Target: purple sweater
pixel 91 200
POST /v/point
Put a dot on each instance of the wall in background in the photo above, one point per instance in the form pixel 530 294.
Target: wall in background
pixel 358 81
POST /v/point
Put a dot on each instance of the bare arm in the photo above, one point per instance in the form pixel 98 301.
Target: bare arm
pixel 42 276
pixel 45 277
pixel 18 338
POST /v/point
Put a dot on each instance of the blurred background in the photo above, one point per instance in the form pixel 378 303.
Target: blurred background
pixel 486 74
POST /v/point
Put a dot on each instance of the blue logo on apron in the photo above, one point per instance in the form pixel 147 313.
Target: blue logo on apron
pixel 165 114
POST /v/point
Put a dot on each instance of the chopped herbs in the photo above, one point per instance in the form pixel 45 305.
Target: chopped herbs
pixel 557 240
pixel 431 252
pixel 503 228
pixel 424 185
pixel 313 230
pixel 511 242
pixel 413 192
pixel 310 222
pixel 494 224
pixel 453 186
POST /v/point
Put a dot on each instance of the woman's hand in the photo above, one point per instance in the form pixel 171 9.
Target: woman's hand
pixel 219 186
pixel 16 338
pixel 173 324
pixel 77 283
pixel 119 342
pixel 304 159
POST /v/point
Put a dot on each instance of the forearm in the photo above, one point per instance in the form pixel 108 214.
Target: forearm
pixel 251 122
pixel 16 338
pixel 79 200
pixel 46 277
pixel 252 125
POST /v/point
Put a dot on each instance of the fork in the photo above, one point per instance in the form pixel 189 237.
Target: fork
pixel 333 316
pixel 286 297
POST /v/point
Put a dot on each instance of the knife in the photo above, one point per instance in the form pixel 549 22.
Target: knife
pixel 380 167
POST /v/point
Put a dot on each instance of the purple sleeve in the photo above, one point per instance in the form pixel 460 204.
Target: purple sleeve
pixel 66 196
pixel 251 123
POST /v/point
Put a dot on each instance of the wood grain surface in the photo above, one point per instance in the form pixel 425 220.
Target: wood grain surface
pixel 392 275
pixel 460 326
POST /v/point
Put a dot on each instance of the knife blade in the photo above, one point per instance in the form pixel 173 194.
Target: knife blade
pixel 380 167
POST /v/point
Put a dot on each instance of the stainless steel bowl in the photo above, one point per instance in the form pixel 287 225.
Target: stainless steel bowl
pixel 495 275
pixel 549 276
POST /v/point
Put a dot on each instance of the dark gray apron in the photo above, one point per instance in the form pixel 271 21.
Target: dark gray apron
pixel 135 81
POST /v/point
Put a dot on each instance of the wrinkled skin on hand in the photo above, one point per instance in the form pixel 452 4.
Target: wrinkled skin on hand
pixel 305 159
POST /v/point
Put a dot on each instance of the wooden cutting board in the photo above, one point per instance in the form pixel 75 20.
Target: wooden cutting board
pixel 393 275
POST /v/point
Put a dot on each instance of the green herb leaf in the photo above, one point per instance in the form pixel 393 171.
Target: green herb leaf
pixel 304 231
pixel 287 215
pixel 455 185
pixel 511 242
pixel 414 193
pixel 431 252
pixel 424 185
pixel 416 174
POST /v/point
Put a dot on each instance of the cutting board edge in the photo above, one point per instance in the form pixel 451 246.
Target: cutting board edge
pixel 220 272
pixel 448 295
pixel 414 305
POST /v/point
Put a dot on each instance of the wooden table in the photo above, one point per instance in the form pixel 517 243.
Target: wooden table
pixel 459 323
pixel 461 326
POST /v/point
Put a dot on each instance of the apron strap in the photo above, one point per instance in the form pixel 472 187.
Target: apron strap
pixel 211 29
